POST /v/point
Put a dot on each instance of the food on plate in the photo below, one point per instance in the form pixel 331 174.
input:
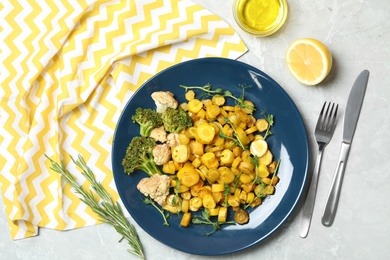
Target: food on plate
pixel 163 100
pixel 161 154
pixel 148 119
pixel 159 134
pixel 175 120
pixel 139 156
pixel 241 216
pixel 214 154
pixel 309 61
pixel 259 147
pixel 156 187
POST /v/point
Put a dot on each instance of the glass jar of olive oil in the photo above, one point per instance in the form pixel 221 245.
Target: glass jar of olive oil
pixel 260 17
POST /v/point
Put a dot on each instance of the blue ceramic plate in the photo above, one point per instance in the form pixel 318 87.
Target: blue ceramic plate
pixel 288 142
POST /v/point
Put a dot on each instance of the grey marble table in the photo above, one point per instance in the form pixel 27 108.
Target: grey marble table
pixel 358 34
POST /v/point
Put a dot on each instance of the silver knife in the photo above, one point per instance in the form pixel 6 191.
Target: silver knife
pixel 352 111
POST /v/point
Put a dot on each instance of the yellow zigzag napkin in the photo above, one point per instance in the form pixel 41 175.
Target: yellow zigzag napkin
pixel 66 70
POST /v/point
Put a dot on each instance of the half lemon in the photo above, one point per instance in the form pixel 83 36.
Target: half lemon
pixel 309 61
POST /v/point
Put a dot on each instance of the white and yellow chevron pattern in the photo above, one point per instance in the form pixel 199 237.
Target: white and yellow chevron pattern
pixel 66 69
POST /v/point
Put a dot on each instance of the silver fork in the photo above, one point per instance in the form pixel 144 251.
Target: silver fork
pixel 323 133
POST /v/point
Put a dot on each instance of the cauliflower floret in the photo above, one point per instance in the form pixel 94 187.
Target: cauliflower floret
pixel 173 139
pixel 159 134
pixel 156 186
pixel 161 154
pixel 163 100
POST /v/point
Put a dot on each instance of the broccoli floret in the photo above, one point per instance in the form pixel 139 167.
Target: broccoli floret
pixel 176 120
pixel 139 156
pixel 148 119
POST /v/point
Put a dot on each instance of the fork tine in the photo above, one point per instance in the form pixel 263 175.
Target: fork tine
pixel 328 117
pixel 320 118
pixel 334 118
pixel 331 118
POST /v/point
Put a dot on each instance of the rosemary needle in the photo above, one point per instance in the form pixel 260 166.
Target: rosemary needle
pixel 108 211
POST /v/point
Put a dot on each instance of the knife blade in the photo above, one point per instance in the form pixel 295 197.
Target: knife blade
pixel 351 117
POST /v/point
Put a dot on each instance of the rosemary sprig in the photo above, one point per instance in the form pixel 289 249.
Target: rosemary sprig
pixel 108 211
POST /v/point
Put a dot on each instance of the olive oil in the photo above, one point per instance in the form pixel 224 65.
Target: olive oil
pixel 262 17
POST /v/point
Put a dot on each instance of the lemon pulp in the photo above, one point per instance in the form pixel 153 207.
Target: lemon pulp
pixel 309 60
pixel 260 15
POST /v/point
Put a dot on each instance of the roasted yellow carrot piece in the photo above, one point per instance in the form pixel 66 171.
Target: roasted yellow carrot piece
pixel 227 157
pixel 169 167
pixel 210 160
pixel 196 148
pixel 185 205
pixel 195 203
pixel 217 187
pixel 233 201
pixel 208 201
pixel 189 178
pixel 205 133
pixel 262 171
pixel 214 211
pixel 194 105
pixel 262 125
pixel 218 100
pixel 186 219
pixel 222 214
pixel 242 136
pixel 226 175
pixel 212 111
pixel 181 153
pixel 267 158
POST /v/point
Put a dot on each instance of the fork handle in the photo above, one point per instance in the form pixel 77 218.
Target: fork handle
pixel 310 197
pixel 334 193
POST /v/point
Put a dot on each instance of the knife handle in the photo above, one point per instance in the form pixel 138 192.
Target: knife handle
pixel 333 198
